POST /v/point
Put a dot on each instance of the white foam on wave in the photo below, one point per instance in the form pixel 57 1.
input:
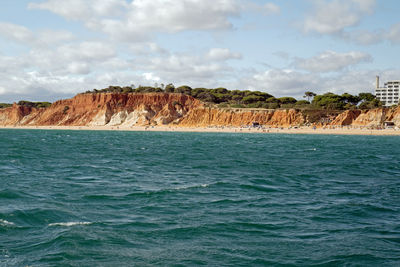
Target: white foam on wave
pixel 5 222
pixel 67 224
pixel 190 186
pixel 311 149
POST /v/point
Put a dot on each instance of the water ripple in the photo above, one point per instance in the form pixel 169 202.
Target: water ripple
pixel 85 198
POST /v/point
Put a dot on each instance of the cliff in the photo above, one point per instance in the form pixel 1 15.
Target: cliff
pixel 240 117
pixel 115 109
pixel 105 109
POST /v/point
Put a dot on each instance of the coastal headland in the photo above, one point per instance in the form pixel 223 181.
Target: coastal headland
pixel 180 112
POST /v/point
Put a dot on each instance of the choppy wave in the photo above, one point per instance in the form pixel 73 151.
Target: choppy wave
pixel 68 224
pixel 184 187
pixel 97 198
pixel 6 223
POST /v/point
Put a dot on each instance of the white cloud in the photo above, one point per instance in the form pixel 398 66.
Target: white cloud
pixel 59 63
pixel 365 5
pixel 206 69
pixel 23 35
pixel 72 58
pixel 10 65
pixel 75 67
pixel 293 83
pixel 364 37
pixel 393 35
pixel 146 48
pixel 82 9
pixel 149 76
pixel 332 17
pixel 87 51
pixel 78 68
pixel 53 37
pixel 49 86
pixel 340 17
pixel 271 8
pixel 331 61
pixel 139 19
pixel 16 32
pixel 265 9
pixel 222 54
pixel 171 16
pixel 280 82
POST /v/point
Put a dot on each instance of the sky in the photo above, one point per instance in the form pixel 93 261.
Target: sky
pixel 54 49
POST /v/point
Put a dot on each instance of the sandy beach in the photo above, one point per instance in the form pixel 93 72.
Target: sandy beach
pixel 223 129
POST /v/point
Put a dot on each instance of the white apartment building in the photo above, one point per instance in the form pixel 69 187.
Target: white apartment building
pixel 389 93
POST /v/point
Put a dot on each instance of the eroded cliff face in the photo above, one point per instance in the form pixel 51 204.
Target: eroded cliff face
pixel 346 118
pixel 240 117
pixel 105 109
pixel 177 109
pixel 17 115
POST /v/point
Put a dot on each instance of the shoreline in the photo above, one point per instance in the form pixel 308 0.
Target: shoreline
pixel 220 129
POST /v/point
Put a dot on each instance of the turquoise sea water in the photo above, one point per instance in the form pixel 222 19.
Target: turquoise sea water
pixel 94 198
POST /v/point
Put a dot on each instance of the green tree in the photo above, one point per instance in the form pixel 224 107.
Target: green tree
pixel 34 104
pixel 302 103
pixel 5 105
pixel 197 91
pixel 351 99
pixel 169 88
pixel 127 89
pixel 220 98
pixel 272 100
pixel 309 95
pixel 220 90
pixel 287 100
pixel 366 96
pixel 374 103
pixel 206 97
pixel 252 99
pixel 237 98
pixel 184 89
pixel 329 101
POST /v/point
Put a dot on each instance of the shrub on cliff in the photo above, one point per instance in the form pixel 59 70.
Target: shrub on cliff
pixel 187 90
pixel 302 103
pixel 169 88
pixel 206 97
pixel 256 99
pixel 251 99
pixel 375 103
pixel 34 104
pixel 366 96
pixel 66 108
pixel 287 100
pixel 5 105
pixel 287 106
pixel 273 105
pixel 350 99
pixel 259 104
pixel 329 101
pixel 148 89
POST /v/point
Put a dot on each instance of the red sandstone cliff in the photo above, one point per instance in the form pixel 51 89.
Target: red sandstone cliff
pixel 346 118
pixel 239 117
pixel 182 110
pixel 104 109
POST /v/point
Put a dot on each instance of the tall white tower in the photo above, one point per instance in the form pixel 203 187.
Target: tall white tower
pixel 377 82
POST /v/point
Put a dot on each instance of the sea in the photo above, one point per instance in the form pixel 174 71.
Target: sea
pixel 115 198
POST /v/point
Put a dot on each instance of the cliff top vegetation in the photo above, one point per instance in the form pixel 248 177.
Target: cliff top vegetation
pixel 224 98
pixel 34 104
